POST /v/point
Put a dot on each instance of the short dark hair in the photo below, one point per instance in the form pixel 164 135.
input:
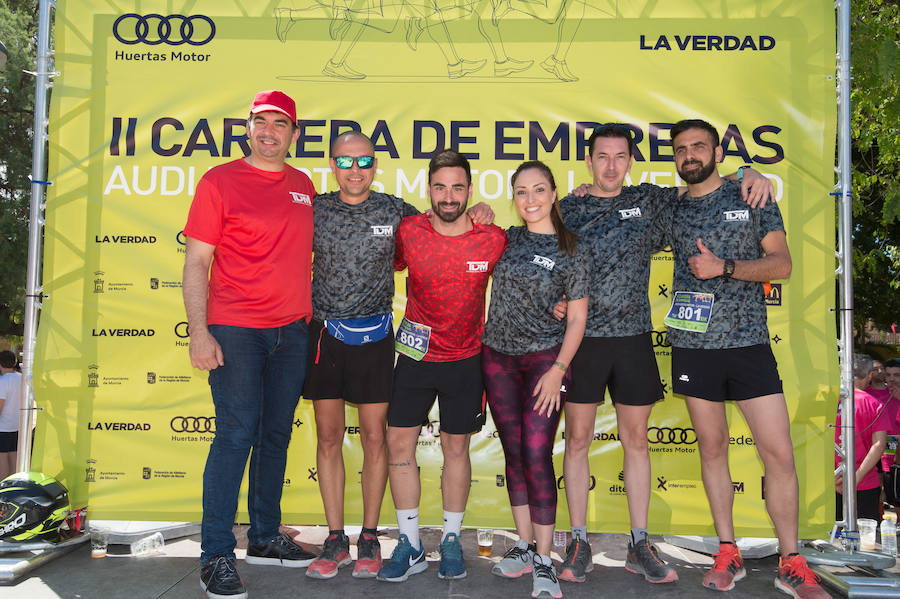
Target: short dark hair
pixel 612 130
pixel 682 126
pixel 892 363
pixel 450 158
pixel 8 359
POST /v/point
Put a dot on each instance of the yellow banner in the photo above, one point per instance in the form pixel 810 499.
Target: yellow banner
pixel 151 94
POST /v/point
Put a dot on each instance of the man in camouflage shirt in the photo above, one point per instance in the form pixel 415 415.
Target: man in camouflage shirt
pixel 724 252
pixel 351 355
pixel 623 226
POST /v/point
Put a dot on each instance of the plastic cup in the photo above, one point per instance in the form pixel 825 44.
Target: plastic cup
pixel 866 534
pixel 485 541
pixel 99 540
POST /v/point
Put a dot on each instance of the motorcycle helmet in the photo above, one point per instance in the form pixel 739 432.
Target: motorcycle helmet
pixel 32 506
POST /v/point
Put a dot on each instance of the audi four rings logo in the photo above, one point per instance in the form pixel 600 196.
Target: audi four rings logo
pixel 155 29
pixel 193 424
pixel 671 436
pixel 660 339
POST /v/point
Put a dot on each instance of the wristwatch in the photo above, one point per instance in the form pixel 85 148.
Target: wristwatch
pixel 728 268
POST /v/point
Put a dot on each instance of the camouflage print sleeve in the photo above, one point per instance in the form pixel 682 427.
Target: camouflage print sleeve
pixel 663 201
pixel 408 210
pixel 769 220
pixel 578 278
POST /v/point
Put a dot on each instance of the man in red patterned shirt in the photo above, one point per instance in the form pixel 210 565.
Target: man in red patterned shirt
pixel 450 260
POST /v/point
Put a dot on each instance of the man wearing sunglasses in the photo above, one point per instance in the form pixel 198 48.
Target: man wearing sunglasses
pixel 351 352
pixel 247 298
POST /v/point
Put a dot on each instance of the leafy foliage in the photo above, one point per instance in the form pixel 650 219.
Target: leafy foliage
pixel 875 124
pixel 18 32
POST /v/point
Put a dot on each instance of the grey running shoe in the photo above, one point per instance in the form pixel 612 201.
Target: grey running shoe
pixel 643 558
pixel 578 562
pixel 543 578
pixel 516 561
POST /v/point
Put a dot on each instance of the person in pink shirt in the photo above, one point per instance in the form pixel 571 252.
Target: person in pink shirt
pixel 870 436
pixel 885 388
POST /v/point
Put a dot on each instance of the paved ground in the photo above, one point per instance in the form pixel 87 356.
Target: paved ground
pixel 175 575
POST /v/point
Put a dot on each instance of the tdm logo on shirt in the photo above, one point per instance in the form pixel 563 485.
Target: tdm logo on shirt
pixel 382 230
pixel 630 213
pixel 542 261
pixel 737 215
pixel 300 198
pixel 477 266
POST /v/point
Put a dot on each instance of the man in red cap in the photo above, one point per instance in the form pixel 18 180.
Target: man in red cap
pixel 247 297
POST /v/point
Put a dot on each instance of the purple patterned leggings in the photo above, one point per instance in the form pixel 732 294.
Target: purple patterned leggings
pixel 526 437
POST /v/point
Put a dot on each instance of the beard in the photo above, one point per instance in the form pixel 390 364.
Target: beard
pixel 448 217
pixel 698 175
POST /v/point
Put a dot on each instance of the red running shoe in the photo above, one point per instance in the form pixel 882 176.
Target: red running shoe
pixel 728 568
pixel 368 556
pixel 797 580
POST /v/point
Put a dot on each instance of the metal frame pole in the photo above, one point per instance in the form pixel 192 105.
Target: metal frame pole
pixel 845 270
pixel 33 287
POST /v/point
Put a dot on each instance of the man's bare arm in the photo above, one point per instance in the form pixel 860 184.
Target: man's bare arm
pixel 204 350
pixel 776 264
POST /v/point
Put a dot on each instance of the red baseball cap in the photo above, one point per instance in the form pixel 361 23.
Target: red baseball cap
pixel 273 99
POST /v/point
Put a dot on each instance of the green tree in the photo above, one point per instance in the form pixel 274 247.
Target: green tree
pixel 18 32
pixel 875 123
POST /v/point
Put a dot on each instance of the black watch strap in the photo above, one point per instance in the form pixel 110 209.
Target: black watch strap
pixel 728 268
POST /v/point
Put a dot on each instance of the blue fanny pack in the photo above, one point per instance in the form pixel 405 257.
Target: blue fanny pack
pixel 359 331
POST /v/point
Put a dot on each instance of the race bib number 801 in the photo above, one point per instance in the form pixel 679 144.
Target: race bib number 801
pixel 690 311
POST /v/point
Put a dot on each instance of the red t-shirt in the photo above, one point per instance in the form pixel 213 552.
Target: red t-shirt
pixel 447 280
pixel 869 419
pixel 262 225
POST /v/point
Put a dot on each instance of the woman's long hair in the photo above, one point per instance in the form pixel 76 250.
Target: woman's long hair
pixel 565 238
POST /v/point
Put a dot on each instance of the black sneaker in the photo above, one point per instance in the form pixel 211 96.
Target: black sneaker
pixel 280 551
pixel 643 558
pixel 578 562
pixel 220 580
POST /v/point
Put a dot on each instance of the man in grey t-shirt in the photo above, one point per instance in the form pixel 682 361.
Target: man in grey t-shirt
pixel 351 354
pixel 623 226
pixel 724 252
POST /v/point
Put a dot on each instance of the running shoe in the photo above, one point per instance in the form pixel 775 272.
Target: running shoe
pixel 643 558
pixel 578 562
pixel 516 561
pixel 219 579
pixel 453 565
pixel 797 580
pixel 368 556
pixel 405 561
pixel 280 551
pixel 335 554
pixel 727 569
pixel 543 578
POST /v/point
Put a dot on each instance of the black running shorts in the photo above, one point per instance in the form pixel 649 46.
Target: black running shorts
pixel 624 365
pixel 457 386
pixel 720 374
pixel 355 373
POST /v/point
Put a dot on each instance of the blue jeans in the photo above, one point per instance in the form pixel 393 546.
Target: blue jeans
pixel 255 394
